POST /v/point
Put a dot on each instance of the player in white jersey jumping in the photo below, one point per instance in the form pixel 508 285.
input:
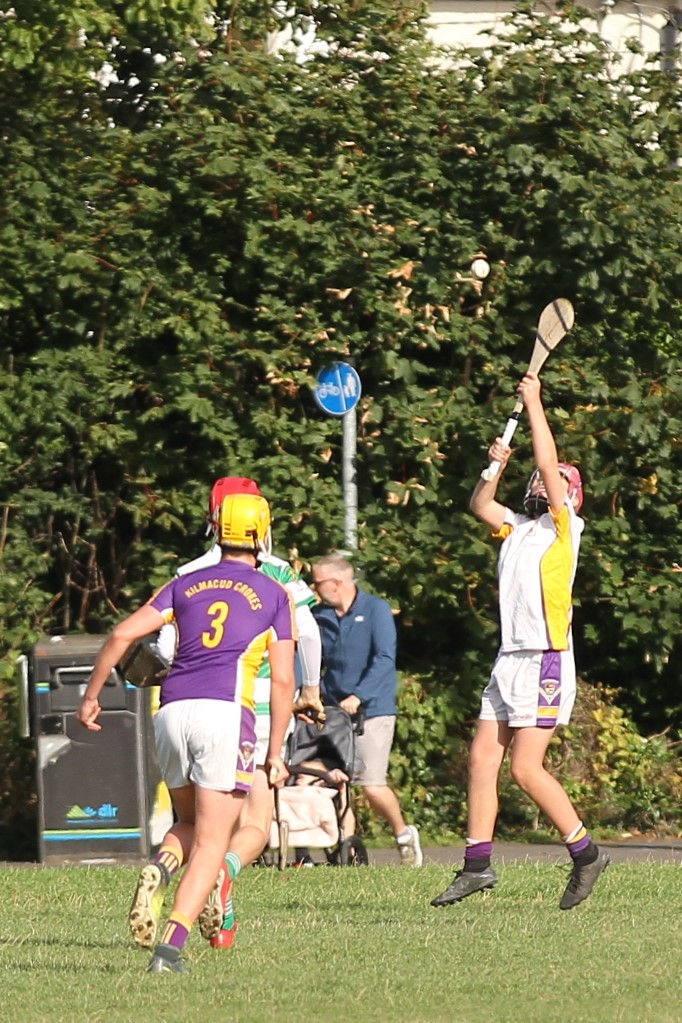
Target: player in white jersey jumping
pixel 532 687
pixel 216 922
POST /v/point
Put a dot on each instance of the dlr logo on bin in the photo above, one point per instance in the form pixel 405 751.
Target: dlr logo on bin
pixel 80 814
pixel 105 812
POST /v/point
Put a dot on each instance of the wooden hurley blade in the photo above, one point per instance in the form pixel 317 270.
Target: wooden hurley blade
pixel 555 320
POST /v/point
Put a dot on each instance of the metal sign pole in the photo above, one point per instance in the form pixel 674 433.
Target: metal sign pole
pixel 350 489
pixel 337 392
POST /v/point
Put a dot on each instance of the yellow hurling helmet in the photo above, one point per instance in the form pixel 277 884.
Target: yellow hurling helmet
pixel 244 523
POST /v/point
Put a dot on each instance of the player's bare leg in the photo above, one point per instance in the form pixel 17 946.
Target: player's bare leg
pixel 528 771
pixel 253 832
pixel 217 919
pixel 155 876
pixel 487 752
pixel 215 816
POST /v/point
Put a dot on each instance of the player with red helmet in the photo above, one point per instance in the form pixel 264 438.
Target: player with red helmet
pixel 229 616
pixel 216 921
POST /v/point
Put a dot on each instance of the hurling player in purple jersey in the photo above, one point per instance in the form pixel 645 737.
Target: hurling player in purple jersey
pixel 227 616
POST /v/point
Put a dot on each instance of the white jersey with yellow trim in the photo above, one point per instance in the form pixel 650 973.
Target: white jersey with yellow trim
pixel 536 569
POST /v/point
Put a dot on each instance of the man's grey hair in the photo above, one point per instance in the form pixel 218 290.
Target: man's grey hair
pixel 337 567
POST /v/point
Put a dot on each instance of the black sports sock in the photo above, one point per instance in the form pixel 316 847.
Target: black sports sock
pixel 587 856
pixel 476 865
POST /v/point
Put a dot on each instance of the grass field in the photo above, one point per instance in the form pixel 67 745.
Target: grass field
pixel 358 944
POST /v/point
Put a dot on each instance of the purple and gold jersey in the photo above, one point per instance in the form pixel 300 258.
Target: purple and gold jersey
pixel 226 617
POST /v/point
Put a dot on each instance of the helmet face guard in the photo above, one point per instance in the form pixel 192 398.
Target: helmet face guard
pixel 243 523
pixel 535 504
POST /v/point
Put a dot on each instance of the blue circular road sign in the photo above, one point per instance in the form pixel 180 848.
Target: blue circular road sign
pixel 338 389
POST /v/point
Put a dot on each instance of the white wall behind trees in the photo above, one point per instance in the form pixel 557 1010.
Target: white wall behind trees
pixel 455 23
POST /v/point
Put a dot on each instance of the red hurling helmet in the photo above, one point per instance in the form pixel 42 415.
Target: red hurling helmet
pixel 228 486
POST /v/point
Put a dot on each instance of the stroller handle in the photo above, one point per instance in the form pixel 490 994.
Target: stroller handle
pixel 316 772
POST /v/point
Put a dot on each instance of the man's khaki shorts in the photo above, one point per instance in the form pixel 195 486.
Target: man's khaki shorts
pixel 373 748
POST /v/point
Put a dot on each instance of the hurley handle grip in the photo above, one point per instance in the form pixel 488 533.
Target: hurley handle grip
pixel 492 470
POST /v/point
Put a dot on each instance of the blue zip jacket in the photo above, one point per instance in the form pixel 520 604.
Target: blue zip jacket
pixel 359 654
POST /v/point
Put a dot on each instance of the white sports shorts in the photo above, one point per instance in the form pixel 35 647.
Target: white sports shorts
pixel 263 738
pixel 209 743
pixel 531 689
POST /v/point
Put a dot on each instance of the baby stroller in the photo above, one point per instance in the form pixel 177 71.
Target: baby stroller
pixel 310 808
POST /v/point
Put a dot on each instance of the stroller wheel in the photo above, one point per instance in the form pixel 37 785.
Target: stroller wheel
pixel 352 853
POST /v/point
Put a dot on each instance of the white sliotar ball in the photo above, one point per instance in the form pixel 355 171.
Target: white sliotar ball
pixel 480 268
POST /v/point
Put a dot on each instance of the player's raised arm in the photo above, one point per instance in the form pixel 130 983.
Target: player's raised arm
pixel 544 446
pixel 483 503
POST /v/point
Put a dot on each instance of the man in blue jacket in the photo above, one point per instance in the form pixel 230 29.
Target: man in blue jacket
pixel 359 654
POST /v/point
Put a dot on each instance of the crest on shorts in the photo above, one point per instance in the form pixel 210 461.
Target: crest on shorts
pixel 550 687
pixel 246 752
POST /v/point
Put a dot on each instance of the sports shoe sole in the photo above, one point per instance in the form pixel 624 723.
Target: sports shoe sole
pixel 147 905
pixel 211 916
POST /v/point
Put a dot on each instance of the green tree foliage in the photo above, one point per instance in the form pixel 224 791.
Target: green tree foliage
pixel 616 775
pixel 193 223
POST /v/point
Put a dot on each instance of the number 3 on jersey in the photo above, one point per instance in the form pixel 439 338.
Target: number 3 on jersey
pixel 219 610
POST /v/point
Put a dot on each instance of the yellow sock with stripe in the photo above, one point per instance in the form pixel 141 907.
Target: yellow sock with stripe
pixel 176 931
pixel 170 855
pixel 580 845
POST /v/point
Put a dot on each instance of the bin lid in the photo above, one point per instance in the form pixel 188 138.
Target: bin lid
pixel 78 645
